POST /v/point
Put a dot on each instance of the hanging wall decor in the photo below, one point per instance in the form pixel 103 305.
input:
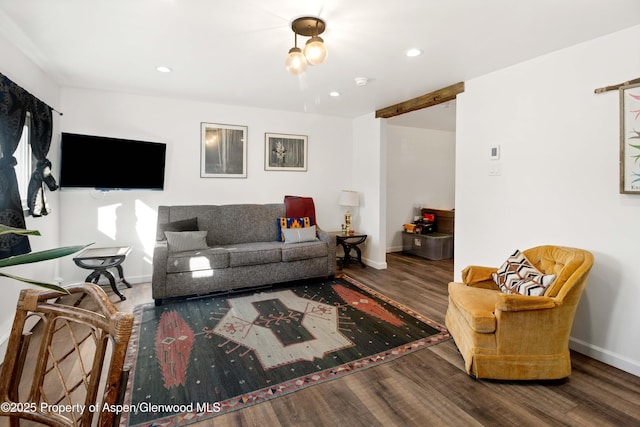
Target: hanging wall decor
pixel 223 151
pixel 285 152
pixel 630 139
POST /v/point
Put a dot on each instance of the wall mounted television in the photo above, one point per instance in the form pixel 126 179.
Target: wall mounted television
pixel 104 163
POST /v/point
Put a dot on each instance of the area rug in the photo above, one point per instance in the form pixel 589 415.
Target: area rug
pixel 199 358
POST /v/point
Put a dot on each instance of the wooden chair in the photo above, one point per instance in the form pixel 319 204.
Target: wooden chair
pixel 53 371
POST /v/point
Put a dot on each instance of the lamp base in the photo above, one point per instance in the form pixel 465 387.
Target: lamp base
pixel 347 223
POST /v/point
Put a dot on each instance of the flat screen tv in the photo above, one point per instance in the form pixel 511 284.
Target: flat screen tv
pixel 111 163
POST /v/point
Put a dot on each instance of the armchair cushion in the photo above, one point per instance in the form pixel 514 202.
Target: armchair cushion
pixel 518 276
pixel 476 305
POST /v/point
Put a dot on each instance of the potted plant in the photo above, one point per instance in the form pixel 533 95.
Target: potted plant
pixel 34 257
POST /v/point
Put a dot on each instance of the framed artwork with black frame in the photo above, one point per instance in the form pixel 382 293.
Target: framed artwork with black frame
pixel 284 152
pixel 630 139
pixel 223 151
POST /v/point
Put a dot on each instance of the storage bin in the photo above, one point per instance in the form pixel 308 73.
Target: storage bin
pixel 434 246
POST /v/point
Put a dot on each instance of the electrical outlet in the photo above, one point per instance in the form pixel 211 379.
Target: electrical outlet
pixel 495 169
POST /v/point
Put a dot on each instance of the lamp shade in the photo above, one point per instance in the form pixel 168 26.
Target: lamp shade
pixel 349 198
pixel 315 51
pixel 296 62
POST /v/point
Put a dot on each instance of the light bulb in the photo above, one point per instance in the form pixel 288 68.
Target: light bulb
pixel 315 51
pixel 296 62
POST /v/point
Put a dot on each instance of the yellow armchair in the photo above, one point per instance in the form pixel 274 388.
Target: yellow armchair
pixel 518 337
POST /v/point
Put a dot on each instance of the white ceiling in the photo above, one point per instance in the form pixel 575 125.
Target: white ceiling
pixel 233 52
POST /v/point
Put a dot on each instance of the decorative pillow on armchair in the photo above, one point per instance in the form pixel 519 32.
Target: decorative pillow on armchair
pixel 284 223
pixel 518 276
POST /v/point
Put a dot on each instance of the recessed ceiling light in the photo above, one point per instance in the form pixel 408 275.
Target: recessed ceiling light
pixel 163 69
pixel 413 52
pixel 334 93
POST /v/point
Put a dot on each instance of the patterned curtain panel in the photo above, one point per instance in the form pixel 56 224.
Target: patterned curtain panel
pixel 14 102
pixel 41 128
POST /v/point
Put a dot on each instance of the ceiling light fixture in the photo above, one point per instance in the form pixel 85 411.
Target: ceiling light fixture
pixel 413 52
pixel 315 52
pixel 164 69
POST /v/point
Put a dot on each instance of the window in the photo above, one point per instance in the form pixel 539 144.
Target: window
pixel 25 162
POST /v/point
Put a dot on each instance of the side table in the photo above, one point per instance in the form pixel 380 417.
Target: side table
pixel 349 242
pixel 100 260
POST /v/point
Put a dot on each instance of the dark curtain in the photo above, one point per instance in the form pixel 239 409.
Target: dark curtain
pixel 40 139
pixel 14 102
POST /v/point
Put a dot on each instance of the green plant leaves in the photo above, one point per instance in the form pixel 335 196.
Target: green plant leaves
pixel 35 257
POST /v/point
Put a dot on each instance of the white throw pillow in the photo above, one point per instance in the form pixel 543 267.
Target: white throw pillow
pixel 299 235
pixel 178 241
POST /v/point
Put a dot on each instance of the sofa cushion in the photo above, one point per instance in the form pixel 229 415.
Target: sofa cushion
pixel 254 253
pixel 190 224
pixel 297 222
pixel 518 276
pixel 296 206
pixel 299 235
pixel 248 223
pixel 179 241
pixel 305 250
pixel 206 259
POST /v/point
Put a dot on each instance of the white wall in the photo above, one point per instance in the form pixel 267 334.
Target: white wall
pixel 559 183
pixel 26 74
pixel 368 174
pixel 129 217
pixel 420 173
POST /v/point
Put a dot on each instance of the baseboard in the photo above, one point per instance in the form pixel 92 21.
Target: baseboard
pixel 394 249
pixel 605 356
pixel 376 265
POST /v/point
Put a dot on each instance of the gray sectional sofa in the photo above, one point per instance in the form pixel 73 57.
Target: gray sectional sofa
pixel 201 249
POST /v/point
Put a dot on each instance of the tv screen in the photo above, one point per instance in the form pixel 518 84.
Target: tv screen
pixel 111 163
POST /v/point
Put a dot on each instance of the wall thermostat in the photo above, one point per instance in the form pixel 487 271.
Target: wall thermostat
pixel 495 152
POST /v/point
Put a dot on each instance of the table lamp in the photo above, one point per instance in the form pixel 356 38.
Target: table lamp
pixel 350 199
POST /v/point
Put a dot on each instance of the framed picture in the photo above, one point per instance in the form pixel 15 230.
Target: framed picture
pixel 630 139
pixel 223 151
pixel 285 152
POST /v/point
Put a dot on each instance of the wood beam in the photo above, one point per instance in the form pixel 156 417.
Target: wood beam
pixel 434 98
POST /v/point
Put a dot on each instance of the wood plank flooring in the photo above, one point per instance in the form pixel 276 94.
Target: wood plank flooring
pixel 430 387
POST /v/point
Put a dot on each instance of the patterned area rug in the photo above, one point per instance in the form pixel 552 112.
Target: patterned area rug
pixel 196 359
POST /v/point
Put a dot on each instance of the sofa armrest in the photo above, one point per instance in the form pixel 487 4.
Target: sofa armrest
pixel 159 275
pixel 473 274
pixel 515 302
pixel 330 240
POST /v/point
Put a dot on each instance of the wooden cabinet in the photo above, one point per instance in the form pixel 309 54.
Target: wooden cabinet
pixel 445 219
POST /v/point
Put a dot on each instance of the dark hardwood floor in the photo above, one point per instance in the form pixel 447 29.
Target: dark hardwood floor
pixel 429 387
